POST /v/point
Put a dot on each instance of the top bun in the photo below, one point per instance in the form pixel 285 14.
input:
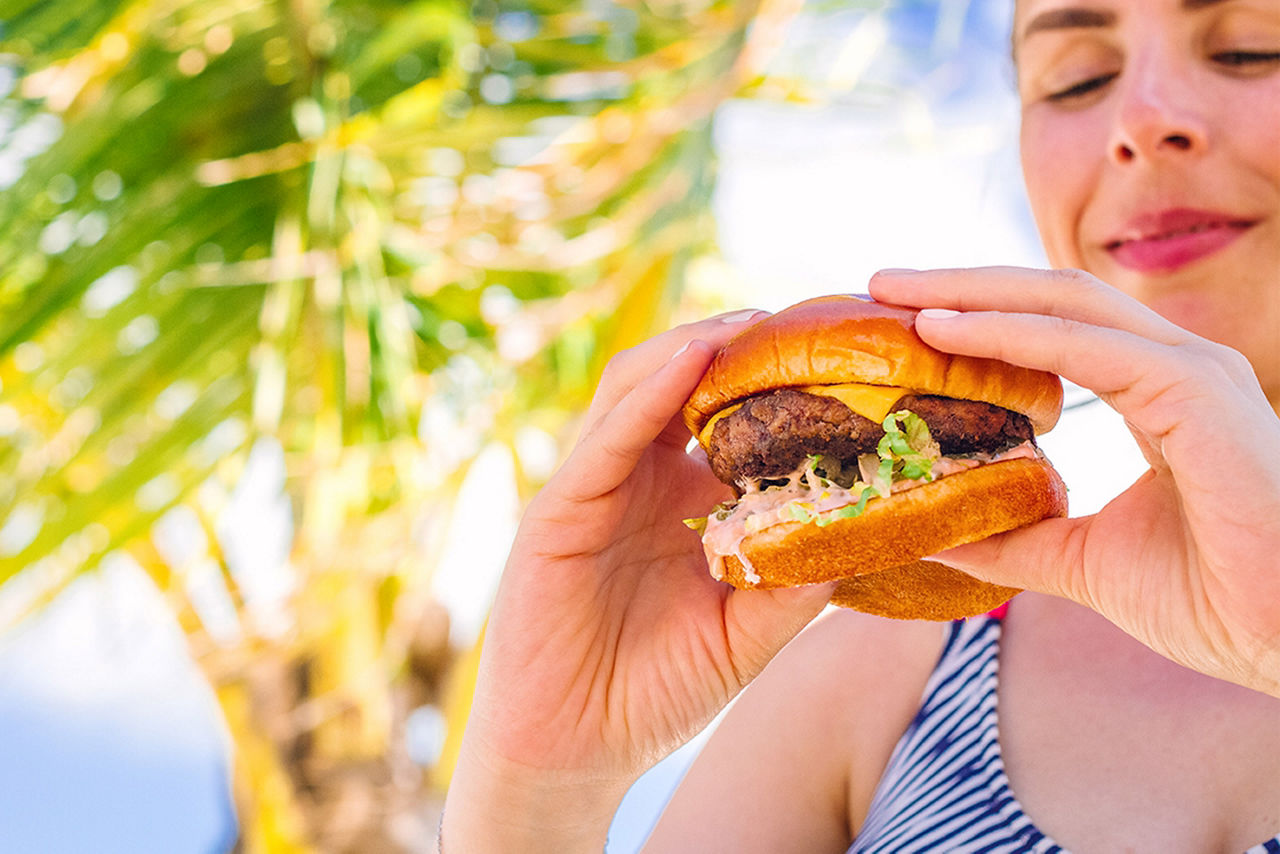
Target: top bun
pixel 846 339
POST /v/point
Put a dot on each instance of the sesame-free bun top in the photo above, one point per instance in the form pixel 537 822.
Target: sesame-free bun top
pixel 833 340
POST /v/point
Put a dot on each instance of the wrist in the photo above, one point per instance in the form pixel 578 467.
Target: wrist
pixel 498 806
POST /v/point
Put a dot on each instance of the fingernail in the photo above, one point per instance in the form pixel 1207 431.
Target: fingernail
pixel 742 316
pixel 896 271
pixel 938 313
pixel 677 353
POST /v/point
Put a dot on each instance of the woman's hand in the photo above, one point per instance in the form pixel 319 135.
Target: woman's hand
pixel 609 644
pixel 1187 560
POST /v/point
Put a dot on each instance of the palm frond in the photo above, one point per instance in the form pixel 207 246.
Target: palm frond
pixel 376 236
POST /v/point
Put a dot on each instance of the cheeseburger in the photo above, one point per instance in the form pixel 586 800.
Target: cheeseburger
pixel 854 450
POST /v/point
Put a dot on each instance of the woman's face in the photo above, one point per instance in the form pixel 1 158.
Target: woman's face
pixel 1151 152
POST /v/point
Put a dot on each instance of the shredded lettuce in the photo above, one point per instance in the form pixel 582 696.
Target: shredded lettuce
pixel 800 513
pixel 907 451
pixel 848 511
pixel 720 512
pixel 697 523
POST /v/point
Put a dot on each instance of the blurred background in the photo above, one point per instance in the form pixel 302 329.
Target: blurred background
pixel 299 303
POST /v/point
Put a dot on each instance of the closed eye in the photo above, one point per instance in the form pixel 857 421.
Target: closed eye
pixel 1245 57
pixel 1082 88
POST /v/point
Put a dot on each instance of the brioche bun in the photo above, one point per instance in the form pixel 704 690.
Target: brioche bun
pixel 845 339
pixel 877 556
pixel 922 590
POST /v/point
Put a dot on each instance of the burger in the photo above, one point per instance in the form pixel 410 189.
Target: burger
pixel 854 450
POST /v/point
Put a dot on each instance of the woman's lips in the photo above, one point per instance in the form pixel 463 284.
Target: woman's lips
pixel 1164 242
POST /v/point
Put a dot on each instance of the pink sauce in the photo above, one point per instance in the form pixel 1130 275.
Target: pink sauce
pixel 758 510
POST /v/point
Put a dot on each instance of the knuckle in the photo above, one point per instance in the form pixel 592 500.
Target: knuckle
pixel 1060 328
pixel 1059 325
pixel 1210 354
pixel 618 367
pixel 1069 289
pixel 1237 364
pixel 1075 282
pixel 1065 276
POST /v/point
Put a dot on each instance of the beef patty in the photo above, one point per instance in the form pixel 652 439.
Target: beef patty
pixel 771 434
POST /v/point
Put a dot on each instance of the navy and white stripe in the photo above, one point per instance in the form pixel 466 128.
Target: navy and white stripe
pixel 945 788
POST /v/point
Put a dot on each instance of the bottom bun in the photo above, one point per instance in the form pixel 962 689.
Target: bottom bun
pixel 900 530
pixel 922 590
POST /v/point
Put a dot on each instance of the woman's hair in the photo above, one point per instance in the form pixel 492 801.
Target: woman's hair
pixel 1013 37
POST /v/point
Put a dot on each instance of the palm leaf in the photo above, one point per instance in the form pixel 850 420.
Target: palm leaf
pixel 353 231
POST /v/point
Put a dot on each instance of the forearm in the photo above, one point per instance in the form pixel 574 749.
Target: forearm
pixel 501 808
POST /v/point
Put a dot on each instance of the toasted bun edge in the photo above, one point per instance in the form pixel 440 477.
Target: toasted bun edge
pixel 907 526
pixel 844 339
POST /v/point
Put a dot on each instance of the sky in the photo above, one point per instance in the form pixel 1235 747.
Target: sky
pixel 110 738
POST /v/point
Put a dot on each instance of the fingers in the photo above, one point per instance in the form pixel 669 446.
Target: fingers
pixel 1069 294
pixel 761 622
pixel 610 450
pixel 1159 376
pixel 1047 557
pixel 1154 373
pixel 628 368
pixel 640 397
pixel 1109 361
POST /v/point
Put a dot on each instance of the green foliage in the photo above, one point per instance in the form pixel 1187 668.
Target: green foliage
pixel 291 218
pixel 380 234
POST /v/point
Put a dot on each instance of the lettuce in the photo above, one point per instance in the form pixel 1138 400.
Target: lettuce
pixel 800 513
pixel 697 523
pixel 848 511
pixel 720 512
pixel 906 451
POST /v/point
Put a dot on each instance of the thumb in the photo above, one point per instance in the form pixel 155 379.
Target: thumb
pixel 759 623
pixel 1047 557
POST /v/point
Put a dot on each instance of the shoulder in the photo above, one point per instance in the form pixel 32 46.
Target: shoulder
pixel 851 668
pixel 814 730
pixel 890 654
pixel 870 675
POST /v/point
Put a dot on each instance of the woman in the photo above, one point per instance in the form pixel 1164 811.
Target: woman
pixel 1137 687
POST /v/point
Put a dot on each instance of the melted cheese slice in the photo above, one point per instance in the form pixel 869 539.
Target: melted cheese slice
pixel 870 401
pixel 705 436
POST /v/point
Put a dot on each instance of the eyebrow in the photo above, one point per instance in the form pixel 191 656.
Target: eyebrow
pixel 1069 18
pixel 1072 17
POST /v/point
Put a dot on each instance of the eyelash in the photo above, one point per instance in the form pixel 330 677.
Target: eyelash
pixel 1245 57
pixel 1082 88
pixel 1232 58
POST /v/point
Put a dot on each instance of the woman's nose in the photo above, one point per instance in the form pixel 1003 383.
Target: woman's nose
pixel 1159 114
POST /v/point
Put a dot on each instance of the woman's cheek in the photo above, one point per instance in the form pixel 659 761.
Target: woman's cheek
pixel 1061 163
pixel 1046 189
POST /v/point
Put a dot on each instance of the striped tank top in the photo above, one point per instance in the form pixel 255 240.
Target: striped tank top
pixel 945 788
